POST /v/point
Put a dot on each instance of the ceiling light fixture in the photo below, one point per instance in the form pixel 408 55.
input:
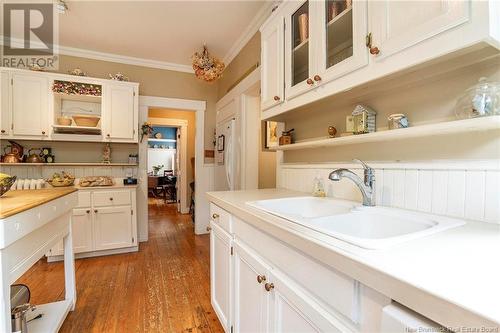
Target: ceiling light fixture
pixel 61 6
pixel 207 67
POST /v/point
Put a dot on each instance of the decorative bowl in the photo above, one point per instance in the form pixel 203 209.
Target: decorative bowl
pixel 6 184
pixel 64 121
pixel 86 121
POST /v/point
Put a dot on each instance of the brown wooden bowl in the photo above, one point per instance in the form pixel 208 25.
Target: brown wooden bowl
pixel 86 121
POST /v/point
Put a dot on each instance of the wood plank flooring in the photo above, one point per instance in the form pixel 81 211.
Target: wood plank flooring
pixel 165 287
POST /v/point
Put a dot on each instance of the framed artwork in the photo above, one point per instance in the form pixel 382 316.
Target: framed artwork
pixel 273 133
pixel 220 142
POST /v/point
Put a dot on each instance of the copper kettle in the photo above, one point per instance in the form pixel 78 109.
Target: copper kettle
pixel 11 157
pixel 34 158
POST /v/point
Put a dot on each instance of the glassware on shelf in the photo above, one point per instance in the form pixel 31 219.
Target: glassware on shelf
pixel 482 99
pixel 300 44
pixel 339 31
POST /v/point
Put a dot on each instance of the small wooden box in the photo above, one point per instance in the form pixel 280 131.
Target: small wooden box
pixel 285 140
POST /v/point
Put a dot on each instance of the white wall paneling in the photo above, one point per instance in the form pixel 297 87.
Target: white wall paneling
pixel 469 190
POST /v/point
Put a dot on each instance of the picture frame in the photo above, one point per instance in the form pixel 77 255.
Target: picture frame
pixel 220 142
pixel 273 133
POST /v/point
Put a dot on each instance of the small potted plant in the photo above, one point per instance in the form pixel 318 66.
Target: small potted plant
pixel 156 169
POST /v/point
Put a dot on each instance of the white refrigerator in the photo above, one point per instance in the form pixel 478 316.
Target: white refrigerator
pixel 227 177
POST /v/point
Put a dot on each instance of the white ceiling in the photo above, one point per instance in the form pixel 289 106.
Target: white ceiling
pixel 166 31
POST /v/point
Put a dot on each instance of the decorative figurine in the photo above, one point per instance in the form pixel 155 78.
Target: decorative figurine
pixel 106 154
pixel 332 131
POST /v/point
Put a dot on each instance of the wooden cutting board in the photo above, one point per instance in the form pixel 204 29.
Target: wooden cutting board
pixel 15 202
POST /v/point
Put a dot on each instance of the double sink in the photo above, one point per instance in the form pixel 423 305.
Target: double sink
pixel 367 227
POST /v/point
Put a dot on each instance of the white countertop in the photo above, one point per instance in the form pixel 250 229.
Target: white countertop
pixel 452 277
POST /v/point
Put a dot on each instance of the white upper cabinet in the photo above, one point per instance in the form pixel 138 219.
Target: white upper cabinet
pixel 250 297
pixel 30 108
pixel 398 25
pixel 121 113
pixel 272 57
pixel 5 110
pixel 220 274
pixel 342 30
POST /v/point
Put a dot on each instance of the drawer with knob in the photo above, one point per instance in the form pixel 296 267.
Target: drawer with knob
pixel 221 218
pixel 111 198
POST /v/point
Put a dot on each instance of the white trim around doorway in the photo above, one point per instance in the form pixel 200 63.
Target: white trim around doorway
pixel 203 172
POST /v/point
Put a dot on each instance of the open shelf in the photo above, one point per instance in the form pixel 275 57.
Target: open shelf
pixel 79 98
pixel 442 128
pixel 53 315
pixel 61 129
pixel 162 140
pixel 69 164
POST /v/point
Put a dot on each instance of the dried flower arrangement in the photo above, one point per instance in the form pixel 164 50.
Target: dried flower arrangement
pixel 206 67
pixel 76 88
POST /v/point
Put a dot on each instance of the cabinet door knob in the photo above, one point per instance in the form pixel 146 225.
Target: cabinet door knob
pixel 209 228
pixel 269 286
pixel 3 131
pixel 43 132
pixel 88 211
pixel 111 199
pixel 108 135
pixel 374 50
pixel 317 78
pixel 95 210
pixel 261 278
pixel 310 82
pixel 277 98
pixel 215 216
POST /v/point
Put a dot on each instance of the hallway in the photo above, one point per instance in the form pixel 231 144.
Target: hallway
pixel 165 287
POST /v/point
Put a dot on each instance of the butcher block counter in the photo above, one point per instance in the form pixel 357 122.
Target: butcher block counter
pixel 14 202
pixel 31 223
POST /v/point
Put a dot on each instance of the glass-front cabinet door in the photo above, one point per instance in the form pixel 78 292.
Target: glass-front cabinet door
pixel 343 30
pixel 299 47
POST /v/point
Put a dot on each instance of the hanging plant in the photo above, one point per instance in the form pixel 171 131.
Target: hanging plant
pixel 146 130
pixel 206 67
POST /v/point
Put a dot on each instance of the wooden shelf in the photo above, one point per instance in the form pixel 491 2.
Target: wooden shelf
pixel 69 164
pixel 52 318
pixel 442 128
pixel 80 98
pixel 61 129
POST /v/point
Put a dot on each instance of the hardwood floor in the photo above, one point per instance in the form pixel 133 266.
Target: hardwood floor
pixel 162 288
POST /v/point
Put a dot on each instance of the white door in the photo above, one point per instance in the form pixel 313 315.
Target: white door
pixel 250 298
pixel 81 224
pixel 220 274
pixel 113 227
pixel 121 113
pixel 30 110
pixel 398 25
pixel 342 33
pixel 292 310
pixel 272 58
pixel 300 50
pixel 5 110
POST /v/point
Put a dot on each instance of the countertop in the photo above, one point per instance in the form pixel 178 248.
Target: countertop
pixel 452 277
pixel 14 202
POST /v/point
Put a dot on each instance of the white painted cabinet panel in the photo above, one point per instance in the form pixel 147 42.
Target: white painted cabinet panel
pixel 220 274
pixel 5 111
pixel 250 298
pixel 398 25
pixel 272 57
pixel 292 310
pixel 81 223
pixel 30 104
pixel 121 113
pixel 113 228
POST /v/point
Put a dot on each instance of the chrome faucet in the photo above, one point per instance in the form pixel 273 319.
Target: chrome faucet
pixel 367 187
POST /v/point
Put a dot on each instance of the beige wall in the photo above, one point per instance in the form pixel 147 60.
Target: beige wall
pixel 248 57
pixel 154 82
pixel 191 131
pixel 425 102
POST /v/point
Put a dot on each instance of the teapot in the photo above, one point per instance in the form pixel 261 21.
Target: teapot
pixel 10 157
pixel 34 158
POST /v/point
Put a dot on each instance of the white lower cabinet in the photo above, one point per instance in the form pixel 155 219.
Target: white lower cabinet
pixel 220 273
pixel 101 227
pixel 113 228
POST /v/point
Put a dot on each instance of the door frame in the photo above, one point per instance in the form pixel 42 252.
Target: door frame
pixel 183 125
pixel 203 171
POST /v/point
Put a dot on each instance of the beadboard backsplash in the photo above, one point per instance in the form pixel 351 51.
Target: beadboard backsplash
pixel 46 171
pixel 469 190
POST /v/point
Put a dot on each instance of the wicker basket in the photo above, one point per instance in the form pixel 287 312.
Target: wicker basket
pixel 6 184
pixel 86 121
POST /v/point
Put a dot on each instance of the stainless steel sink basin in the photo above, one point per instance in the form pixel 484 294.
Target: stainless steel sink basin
pixel 366 227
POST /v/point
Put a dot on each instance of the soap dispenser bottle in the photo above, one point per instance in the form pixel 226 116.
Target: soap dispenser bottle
pixel 318 188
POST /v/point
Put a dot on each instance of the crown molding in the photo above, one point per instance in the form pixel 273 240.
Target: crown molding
pixel 111 57
pixel 250 30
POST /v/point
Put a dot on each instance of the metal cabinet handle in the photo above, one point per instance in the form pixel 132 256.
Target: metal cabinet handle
pixel 43 132
pixel 108 135
pixel 209 228
pixel 95 210
pixel 277 98
pixel 261 278
pixel 3 131
pixel 111 199
pixel 215 216
pixel 269 286
pixel 374 50
pixel 87 211
pixel 317 78
pixel 310 82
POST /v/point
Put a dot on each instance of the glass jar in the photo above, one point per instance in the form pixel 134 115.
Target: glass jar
pixel 481 100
